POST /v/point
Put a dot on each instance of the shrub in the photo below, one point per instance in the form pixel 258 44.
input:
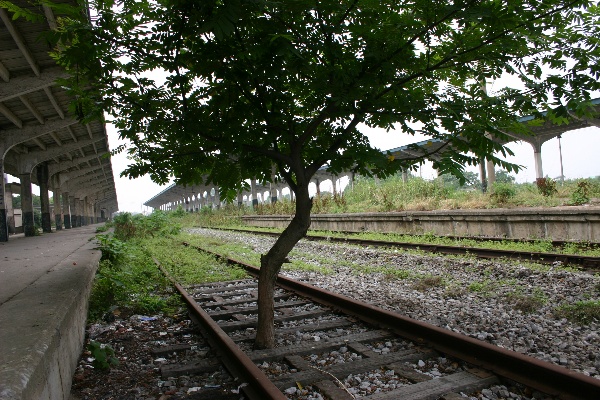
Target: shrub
pixel 581 194
pixel 112 248
pixel 124 226
pixel 502 192
pixel 104 355
pixel 546 186
pixel 179 212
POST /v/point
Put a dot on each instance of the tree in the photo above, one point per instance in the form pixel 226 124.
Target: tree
pixel 254 87
pixel 503 176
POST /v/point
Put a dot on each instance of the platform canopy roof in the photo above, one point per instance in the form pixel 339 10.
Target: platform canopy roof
pixel 35 123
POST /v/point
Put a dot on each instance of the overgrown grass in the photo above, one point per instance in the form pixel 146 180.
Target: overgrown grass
pixel 417 194
pixel 582 312
pixel 129 279
pixel 527 302
pixel 392 194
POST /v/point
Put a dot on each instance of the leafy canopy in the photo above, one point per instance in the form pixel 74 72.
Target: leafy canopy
pixel 222 90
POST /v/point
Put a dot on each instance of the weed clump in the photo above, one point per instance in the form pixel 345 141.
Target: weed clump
pixel 582 312
pixel 428 282
pixel 527 303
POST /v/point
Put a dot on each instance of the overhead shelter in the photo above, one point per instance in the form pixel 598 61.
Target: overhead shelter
pixel 41 142
pixel 547 131
pixel 540 133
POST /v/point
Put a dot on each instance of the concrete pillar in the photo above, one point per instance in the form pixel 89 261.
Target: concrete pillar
pixel 3 213
pixel 537 156
pixel 483 175
pixel 27 204
pixel 66 212
pixel 240 199
pixel 217 198
pixel 85 212
pixel 333 185
pixel 57 208
pixel 404 175
pixel 318 183
pixel 42 176
pixel 253 193
pixel 8 202
pixel 491 173
pixel 73 208
pixel 273 193
pixel 85 206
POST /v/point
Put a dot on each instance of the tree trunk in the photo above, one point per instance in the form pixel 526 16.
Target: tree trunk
pixel 271 263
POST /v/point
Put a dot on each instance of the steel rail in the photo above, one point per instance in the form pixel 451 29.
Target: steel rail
pixel 237 362
pixel 554 243
pixel 544 258
pixel 546 377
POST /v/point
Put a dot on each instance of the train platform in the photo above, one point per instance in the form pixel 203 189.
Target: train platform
pixel 45 283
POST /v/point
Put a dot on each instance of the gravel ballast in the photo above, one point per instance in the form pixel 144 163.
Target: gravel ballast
pixel 506 303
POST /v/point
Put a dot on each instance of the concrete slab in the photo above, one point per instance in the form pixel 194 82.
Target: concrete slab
pixel 45 283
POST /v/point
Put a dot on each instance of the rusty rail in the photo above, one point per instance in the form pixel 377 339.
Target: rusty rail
pixel 237 362
pixel 540 375
pixel 544 258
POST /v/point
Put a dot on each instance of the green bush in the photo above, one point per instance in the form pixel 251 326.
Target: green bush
pixel 502 192
pixel 546 186
pixel 581 194
pixel 124 226
pixel 179 212
pixel 128 226
pixel 112 248
pixel 104 355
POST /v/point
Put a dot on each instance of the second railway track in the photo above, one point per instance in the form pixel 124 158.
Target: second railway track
pixel 407 359
pixel 586 262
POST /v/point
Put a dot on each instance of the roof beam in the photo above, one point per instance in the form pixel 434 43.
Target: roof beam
pixel 32 108
pixel 21 85
pixel 4 73
pixel 40 144
pixel 56 138
pixel 11 137
pixel 52 99
pixel 32 158
pixel 16 35
pixel 12 117
pixel 71 133
pixel 50 17
pixel 65 165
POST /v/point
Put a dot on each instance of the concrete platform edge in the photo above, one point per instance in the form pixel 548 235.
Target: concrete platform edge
pixel 39 363
pixel 556 223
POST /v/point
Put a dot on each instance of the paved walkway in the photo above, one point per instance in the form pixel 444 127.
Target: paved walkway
pixel 44 287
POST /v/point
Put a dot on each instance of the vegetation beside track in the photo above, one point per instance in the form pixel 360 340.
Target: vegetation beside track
pixel 444 193
pixel 128 278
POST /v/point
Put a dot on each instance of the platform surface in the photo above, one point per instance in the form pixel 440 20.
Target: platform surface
pixel 44 288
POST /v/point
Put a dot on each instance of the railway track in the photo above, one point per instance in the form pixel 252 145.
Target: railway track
pixel 341 348
pixel 586 262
